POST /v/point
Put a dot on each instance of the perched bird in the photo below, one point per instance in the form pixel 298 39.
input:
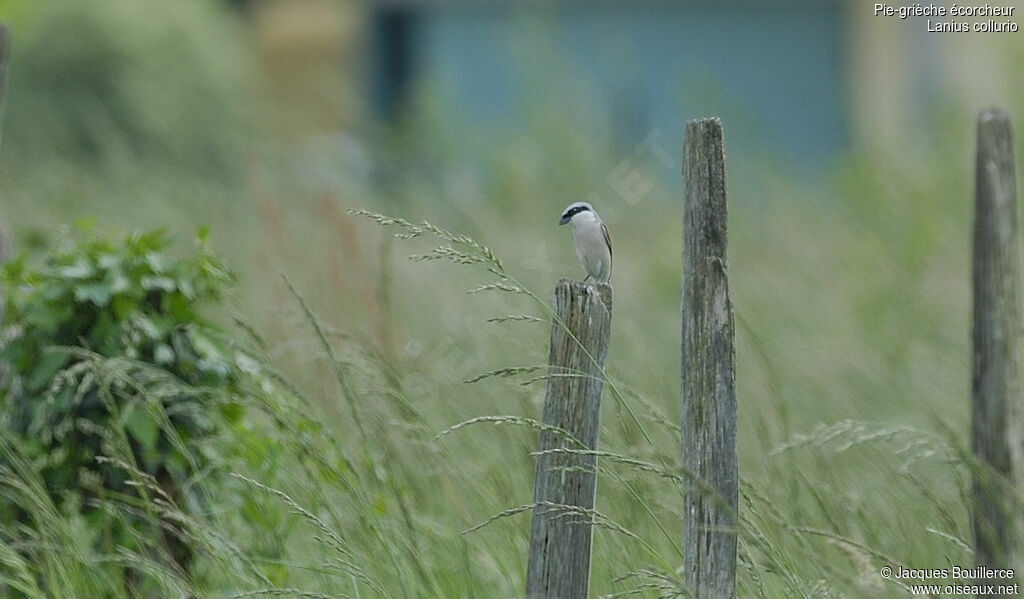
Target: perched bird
pixel 590 236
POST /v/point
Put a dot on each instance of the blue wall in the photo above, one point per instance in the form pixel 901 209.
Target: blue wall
pixel 772 70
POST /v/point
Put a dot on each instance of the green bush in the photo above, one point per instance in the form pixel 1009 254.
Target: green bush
pixel 109 374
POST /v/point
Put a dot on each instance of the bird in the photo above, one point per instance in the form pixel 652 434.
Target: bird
pixel 590 236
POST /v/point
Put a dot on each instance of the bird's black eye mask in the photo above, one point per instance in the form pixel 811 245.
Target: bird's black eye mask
pixel 573 212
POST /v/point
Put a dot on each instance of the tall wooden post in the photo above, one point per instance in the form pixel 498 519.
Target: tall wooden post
pixel 566 483
pixel 708 371
pixel 997 414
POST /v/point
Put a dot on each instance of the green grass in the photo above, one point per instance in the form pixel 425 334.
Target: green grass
pixel 852 387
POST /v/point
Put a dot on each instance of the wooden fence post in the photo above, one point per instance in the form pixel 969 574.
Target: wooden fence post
pixel 566 483
pixel 708 371
pixel 997 415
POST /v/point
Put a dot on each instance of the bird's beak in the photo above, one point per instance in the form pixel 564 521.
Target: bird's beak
pixel 564 220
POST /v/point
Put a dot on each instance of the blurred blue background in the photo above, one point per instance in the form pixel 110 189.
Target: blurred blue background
pixel 775 71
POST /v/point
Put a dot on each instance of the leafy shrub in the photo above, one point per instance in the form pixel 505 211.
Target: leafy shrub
pixel 110 374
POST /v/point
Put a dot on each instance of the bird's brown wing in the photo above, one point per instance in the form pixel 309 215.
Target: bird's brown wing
pixel 607 239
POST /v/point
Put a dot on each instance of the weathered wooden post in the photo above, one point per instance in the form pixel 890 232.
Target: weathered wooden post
pixel 708 371
pixel 566 483
pixel 997 414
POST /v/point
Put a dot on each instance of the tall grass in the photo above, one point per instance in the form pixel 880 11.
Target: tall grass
pixel 852 384
pixel 342 486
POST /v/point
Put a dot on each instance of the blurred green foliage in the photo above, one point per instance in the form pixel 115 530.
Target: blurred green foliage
pixel 121 95
pixel 161 90
pixel 109 367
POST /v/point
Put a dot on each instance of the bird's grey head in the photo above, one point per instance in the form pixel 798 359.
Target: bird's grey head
pixel 573 209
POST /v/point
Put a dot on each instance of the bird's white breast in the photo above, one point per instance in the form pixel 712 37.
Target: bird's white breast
pixel 591 245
